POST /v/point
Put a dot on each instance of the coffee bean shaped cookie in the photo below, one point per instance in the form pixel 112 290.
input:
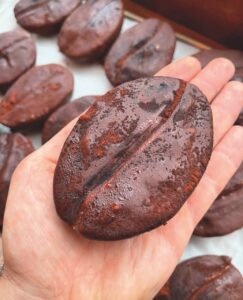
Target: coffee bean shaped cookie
pixel 207 277
pixel 35 95
pixel 13 148
pixel 43 16
pixel 17 55
pixel 88 33
pixel 140 51
pixel 226 213
pixel 133 158
pixel 64 114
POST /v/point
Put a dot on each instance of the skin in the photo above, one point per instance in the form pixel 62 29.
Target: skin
pixel 45 259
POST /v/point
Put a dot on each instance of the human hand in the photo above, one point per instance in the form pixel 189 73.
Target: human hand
pixel 45 259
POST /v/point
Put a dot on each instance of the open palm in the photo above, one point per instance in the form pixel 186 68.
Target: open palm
pixel 45 259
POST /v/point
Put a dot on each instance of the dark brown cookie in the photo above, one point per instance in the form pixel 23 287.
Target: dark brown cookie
pixel 13 148
pixel 64 114
pixel 207 277
pixel 89 32
pixel 35 95
pixel 235 56
pixel 140 51
pixel 133 158
pixel 17 55
pixel 43 16
pixel 226 213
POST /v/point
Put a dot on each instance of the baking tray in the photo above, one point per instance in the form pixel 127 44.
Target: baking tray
pixel 90 79
pixel 138 12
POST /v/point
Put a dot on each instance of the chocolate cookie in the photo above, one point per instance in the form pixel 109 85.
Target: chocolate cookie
pixel 63 115
pixel 13 148
pixel 207 277
pixel 140 51
pixel 43 16
pixel 17 55
pixel 89 32
pixel 133 158
pixel 35 95
pixel 226 213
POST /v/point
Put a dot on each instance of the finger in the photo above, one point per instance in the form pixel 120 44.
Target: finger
pixel 226 108
pixel 225 160
pixel 185 68
pixel 214 76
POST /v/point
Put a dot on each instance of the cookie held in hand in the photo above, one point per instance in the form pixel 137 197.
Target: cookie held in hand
pixel 133 158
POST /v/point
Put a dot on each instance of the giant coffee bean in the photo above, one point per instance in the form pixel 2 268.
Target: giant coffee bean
pixel 226 213
pixel 141 51
pixel 64 114
pixel 17 55
pixel 13 148
pixel 207 277
pixel 133 158
pixel 35 95
pixel 89 32
pixel 235 56
pixel 43 16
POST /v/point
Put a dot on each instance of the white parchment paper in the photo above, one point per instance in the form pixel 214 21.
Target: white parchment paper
pixel 91 80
